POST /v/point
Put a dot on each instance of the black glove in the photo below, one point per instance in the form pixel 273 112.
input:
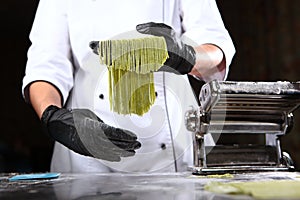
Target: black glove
pixel 182 57
pixel 83 132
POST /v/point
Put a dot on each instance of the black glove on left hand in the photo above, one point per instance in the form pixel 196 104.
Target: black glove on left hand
pixel 182 57
pixel 83 132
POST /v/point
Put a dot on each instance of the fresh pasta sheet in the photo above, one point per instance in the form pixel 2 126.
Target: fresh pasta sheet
pixel 131 64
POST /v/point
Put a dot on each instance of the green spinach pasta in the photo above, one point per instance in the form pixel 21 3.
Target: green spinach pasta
pixel 131 63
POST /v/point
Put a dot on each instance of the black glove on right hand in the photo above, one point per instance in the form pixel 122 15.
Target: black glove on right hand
pixel 182 57
pixel 83 132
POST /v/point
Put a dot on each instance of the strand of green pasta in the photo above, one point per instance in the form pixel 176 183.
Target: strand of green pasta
pixel 131 64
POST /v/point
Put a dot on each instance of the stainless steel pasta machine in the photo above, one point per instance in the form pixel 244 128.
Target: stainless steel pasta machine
pixel 238 126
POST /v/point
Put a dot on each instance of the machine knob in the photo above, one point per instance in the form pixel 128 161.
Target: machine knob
pixel 192 120
pixel 196 120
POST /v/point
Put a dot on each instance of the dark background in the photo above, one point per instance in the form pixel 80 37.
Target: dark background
pixel 265 34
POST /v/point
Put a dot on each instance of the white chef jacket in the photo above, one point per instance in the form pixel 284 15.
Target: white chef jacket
pixel 60 54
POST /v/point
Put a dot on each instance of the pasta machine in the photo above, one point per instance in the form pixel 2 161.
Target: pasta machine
pixel 238 126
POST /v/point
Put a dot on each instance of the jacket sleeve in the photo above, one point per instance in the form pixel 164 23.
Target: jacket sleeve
pixel 49 56
pixel 202 23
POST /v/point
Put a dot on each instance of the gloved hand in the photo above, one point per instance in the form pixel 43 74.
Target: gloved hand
pixel 182 57
pixel 83 132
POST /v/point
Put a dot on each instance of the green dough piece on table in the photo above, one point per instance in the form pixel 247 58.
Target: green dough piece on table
pixel 220 176
pixel 267 189
pixel 225 176
pixel 131 63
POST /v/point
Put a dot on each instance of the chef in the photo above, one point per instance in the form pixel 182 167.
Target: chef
pixel 68 88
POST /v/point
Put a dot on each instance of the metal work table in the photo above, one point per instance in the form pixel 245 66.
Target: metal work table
pixel 127 186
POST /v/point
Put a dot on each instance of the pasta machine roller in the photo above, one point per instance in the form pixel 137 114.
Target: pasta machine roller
pixel 238 126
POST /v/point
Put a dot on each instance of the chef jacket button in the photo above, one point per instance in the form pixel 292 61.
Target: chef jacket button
pixel 101 96
pixel 156 94
pixel 163 146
